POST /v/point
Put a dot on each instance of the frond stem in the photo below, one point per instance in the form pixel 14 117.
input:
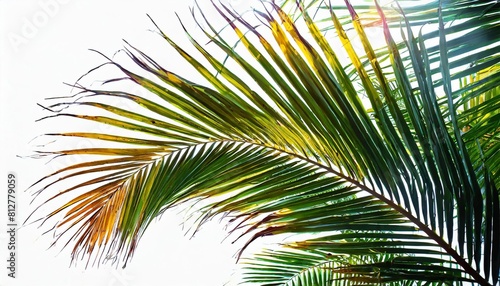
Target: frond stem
pixel 422 226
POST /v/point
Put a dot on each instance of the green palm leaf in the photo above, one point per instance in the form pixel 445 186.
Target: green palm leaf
pixel 394 188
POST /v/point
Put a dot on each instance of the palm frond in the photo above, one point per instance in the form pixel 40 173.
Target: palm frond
pixel 402 185
pixel 319 266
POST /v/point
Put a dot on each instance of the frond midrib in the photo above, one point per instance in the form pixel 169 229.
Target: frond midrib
pixel 421 225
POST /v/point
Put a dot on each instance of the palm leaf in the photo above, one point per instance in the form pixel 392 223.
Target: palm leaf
pixel 384 190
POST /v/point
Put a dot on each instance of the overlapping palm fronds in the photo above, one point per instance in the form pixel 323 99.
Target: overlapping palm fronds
pixel 386 169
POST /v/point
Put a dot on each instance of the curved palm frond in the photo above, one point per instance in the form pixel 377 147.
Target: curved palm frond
pixel 318 265
pixel 395 185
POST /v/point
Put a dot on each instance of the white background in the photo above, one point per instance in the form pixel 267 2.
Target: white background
pixel 43 44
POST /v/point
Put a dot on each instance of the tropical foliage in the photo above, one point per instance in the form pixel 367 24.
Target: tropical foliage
pixel 386 166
